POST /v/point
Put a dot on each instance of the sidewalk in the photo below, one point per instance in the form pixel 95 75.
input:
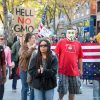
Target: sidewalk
pixel 9 95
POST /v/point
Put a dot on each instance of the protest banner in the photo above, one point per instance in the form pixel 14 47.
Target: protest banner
pixel 23 20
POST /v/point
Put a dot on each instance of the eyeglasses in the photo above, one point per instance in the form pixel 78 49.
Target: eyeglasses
pixel 45 45
pixel 1 38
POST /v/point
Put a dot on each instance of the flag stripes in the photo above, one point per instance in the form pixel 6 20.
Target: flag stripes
pixel 42 23
pixel 91 52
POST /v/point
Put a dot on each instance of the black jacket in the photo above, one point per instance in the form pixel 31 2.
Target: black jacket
pixel 48 79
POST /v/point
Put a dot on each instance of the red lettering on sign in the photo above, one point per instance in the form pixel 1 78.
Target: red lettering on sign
pixel 21 20
pixel 24 21
pixel 27 21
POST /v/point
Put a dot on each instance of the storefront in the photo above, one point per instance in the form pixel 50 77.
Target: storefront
pixel 86 28
pixel 85 20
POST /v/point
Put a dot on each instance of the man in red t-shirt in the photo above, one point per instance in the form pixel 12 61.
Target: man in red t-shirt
pixel 70 55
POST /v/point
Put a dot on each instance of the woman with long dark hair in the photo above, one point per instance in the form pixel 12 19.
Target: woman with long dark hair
pixel 43 70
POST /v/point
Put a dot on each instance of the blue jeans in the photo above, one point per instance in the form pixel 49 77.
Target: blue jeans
pixel 43 95
pixel 1 91
pixel 31 94
pixel 96 89
pixel 25 88
pixel 14 83
pixel 23 77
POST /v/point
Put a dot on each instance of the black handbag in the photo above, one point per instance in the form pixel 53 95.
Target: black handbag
pixel 11 76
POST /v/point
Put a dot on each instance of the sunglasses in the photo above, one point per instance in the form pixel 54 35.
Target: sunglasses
pixel 20 36
pixel 1 38
pixel 45 45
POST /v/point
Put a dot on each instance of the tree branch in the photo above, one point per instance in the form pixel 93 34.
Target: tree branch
pixel 1 19
pixel 67 15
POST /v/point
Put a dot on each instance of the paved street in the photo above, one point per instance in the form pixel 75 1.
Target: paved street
pixel 9 95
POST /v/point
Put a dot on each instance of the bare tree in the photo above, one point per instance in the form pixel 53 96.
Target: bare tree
pixel 5 13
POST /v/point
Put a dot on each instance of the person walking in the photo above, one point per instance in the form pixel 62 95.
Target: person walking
pixel 15 58
pixel 96 81
pixel 70 55
pixel 24 57
pixel 7 52
pixel 2 70
pixel 43 70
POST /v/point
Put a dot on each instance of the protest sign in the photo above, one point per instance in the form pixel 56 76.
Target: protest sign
pixel 23 20
pixel 45 32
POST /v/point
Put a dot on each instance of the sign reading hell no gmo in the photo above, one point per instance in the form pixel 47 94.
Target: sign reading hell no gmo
pixel 23 20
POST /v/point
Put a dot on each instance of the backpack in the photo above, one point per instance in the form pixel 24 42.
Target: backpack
pixel 1 63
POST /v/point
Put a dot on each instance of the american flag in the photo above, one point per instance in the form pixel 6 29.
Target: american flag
pixel 42 23
pixel 91 60
pixel 91 52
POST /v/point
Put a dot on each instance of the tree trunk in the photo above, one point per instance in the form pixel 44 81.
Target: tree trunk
pixel 54 15
pixel 5 13
pixel 12 10
pixel 1 18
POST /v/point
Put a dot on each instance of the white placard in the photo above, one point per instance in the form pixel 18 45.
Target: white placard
pixel 45 32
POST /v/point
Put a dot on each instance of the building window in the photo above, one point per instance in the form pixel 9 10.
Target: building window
pixel 98 6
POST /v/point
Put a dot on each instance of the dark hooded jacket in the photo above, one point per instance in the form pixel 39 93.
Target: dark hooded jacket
pixel 47 80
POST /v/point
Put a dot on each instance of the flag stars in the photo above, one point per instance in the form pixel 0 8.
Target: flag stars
pixel 87 72
pixel 94 66
pixel 89 66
